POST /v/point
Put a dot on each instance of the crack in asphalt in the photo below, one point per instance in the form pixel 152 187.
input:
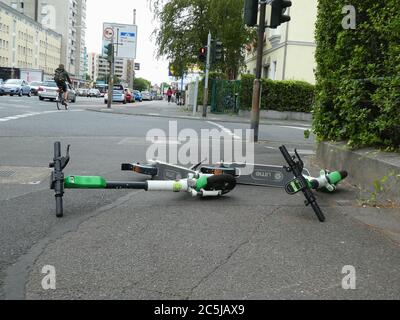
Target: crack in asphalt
pixel 226 260
pixel 220 265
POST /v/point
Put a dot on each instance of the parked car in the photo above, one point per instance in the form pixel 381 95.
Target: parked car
pixel 153 95
pixel 130 97
pixel 146 95
pixel 35 85
pixel 93 93
pixel 138 95
pixel 16 87
pixel 82 92
pixel 118 94
pixel 49 90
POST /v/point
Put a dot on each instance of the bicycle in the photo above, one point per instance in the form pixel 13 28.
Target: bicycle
pixel 60 100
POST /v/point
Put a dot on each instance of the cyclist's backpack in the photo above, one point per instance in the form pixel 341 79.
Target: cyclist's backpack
pixel 59 76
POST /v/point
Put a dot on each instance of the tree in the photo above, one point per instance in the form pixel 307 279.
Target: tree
pixel 141 84
pixel 184 27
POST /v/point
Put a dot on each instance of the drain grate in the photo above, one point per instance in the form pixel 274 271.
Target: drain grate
pixel 6 174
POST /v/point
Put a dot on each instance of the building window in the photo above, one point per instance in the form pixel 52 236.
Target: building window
pixel 265 71
pixel 272 74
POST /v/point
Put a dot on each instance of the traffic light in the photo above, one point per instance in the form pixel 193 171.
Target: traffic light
pixel 278 12
pixel 217 52
pixel 203 54
pixel 250 12
pixel 109 52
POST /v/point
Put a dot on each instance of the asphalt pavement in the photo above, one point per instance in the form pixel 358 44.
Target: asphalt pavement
pixel 255 243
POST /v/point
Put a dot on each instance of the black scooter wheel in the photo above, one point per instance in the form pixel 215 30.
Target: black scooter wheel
pixel 224 182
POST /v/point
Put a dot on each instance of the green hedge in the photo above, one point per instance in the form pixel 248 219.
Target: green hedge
pixel 288 95
pixel 358 74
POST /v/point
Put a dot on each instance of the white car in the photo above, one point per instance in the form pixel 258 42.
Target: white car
pixel 118 94
pixel 35 87
pixel 49 90
pixel 95 93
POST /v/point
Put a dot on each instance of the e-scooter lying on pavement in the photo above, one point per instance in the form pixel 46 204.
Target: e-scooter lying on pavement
pixel 293 179
pixel 196 183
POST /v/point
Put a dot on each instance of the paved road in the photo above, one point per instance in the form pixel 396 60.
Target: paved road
pixel 256 243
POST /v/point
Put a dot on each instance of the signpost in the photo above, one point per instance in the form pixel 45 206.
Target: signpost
pixel 124 47
pixel 126 36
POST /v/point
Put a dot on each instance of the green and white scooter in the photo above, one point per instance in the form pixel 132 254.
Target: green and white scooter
pixel 196 184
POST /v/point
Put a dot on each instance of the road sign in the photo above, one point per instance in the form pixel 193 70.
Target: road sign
pixel 108 33
pixel 137 66
pixel 125 39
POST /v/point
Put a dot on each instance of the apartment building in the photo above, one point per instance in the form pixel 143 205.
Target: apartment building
pixel 24 43
pixel 66 17
pixel 289 50
pixel 99 68
pixel 93 69
pixel 69 19
pixel 29 8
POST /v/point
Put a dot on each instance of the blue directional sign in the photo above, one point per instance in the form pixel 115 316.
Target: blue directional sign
pixel 128 34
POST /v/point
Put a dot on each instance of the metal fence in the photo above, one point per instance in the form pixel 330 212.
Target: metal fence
pixel 225 96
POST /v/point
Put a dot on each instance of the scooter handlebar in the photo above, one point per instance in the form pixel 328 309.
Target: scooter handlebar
pixel 57 176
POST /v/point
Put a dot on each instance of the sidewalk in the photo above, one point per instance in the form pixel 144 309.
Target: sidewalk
pixel 164 110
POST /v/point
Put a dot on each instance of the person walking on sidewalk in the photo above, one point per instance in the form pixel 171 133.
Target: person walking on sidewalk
pixel 169 94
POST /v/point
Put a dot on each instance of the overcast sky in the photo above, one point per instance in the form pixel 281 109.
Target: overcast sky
pixel 121 11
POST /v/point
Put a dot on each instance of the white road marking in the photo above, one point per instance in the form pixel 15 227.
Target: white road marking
pixel 225 130
pixel 31 114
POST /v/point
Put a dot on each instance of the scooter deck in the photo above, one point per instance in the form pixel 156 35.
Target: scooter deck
pixel 263 175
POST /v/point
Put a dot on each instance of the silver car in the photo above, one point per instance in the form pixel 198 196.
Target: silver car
pixel 49 90
pixel 146 95
pixel 15 87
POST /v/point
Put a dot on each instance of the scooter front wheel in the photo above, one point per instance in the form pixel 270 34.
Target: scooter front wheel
pixel 224 182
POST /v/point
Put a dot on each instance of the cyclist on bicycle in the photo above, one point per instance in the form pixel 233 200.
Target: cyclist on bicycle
pixel 61 78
